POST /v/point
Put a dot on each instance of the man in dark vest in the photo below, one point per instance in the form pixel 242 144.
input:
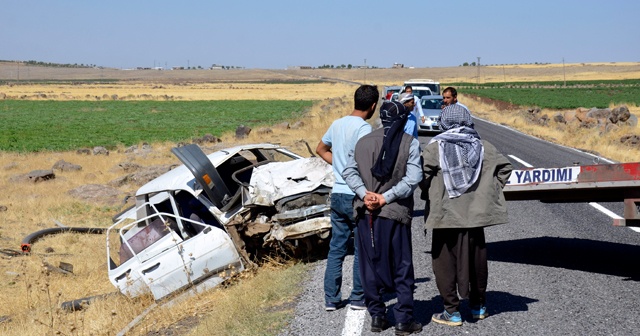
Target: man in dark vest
pixel 383 171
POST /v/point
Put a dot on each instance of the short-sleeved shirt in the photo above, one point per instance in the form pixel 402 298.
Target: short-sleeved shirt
pixel 411 127
pixel 342 136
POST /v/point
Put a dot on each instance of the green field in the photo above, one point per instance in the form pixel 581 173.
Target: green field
pixel 28 126
pixel 554 95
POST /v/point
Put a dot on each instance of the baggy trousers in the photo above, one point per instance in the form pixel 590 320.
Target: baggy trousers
pixel 386 263
pixel 460 266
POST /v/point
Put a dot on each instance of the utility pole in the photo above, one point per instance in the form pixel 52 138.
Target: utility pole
pixel 564 76
pixel 478 65
pixel 365 71
pixel 504 76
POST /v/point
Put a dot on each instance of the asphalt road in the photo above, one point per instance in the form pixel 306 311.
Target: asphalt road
pixel 559 269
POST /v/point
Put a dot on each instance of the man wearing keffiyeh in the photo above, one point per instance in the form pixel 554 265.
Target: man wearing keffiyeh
pixel 460 148
pixel 383 171
pixel 462 186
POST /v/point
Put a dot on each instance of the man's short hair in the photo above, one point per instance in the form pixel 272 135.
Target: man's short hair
pixel 451 89
pixel 365 96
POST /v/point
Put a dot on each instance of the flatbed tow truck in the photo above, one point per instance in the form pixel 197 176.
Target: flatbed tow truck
pixel 618 182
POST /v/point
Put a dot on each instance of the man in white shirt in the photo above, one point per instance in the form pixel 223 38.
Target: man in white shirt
pixel 411 127
pixel 417 109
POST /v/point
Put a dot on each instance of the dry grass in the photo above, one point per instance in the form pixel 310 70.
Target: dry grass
pixel 606 144
pixel 495 73
pixel 255 304
pixel 488 74
pixel 151 91
pixel 31 295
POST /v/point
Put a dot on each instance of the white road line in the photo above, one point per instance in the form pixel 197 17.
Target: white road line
pixel 521 161
pixel 593 204
pixel 353 322
pixel 611 214
pixel 604 210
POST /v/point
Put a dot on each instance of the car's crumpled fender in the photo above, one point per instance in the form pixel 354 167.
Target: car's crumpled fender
pixel 321 226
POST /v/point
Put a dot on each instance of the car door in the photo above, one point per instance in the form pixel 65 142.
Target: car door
pixel 210 253
pixel 158 254
pixel 194 255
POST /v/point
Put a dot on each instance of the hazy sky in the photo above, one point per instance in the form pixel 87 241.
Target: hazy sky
pixel 277 34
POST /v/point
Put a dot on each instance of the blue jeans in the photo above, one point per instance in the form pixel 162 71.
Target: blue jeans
pixel 342 224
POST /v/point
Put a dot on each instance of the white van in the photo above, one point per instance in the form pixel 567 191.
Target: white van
pixel 422 85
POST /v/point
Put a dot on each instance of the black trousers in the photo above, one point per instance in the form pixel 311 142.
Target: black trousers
pixel 460 266
pixel 386 263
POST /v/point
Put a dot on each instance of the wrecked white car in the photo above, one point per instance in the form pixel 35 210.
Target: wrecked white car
pixel 205 220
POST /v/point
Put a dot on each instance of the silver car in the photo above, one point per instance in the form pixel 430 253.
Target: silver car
pixel 431 107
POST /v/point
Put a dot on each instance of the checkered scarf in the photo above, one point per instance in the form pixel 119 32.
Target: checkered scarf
pixel 460 148
pixel 393 116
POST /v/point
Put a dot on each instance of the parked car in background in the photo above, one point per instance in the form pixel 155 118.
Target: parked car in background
pixel 420 91
pixel 431 107
pixel 422 84
pixel 388 92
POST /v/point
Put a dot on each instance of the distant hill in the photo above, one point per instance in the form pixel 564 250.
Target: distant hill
pixel 12 71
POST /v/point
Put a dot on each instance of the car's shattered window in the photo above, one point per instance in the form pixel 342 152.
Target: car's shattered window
pixel 274 155
pixel 250 156
pixel 157 218
pixel 196 214
pixel 144 238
